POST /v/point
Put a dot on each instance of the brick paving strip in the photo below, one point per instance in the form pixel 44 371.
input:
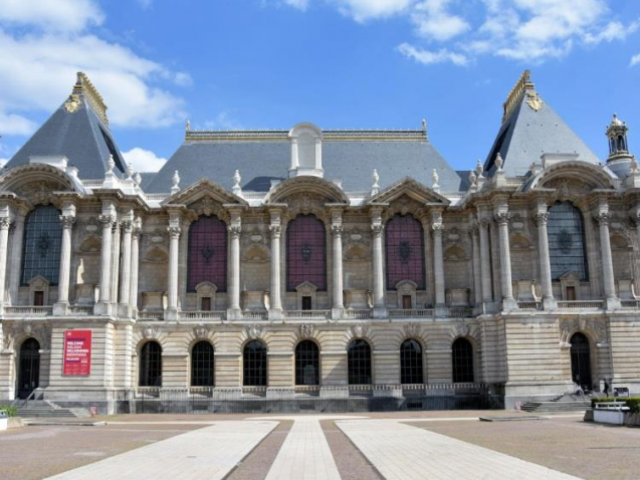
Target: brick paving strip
pixel 403 452
pixel 351 464
pixel 209 453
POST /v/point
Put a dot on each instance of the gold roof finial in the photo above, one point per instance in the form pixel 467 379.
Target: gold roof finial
pixel 85 88
pixel 517 93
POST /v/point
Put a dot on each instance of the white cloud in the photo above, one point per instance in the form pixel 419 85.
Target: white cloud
pixel 223 121
pixel 12 124
pixel 433 20
pixel 635 60
pixel 363 10
pixel 299 4
pixel 613 31
pixel 51 15
pixel 428 58
pixel 143 160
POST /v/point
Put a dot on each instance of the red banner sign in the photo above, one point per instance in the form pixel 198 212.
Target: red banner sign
pixel 77 352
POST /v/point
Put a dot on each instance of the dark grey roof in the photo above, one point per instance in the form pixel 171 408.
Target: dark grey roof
pixel 351 161
pixel 80 136
pixel 526 134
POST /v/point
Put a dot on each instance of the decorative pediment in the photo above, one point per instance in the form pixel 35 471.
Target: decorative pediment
pixel 37 181
pixel 306 288
pixel 201 190
pixel 306 185
pixel 571 178
pixel 411 188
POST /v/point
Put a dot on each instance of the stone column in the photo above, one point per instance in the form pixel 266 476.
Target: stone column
pixel 135 266
pixel 5 223
pixel 611 299
pixel 477 275
pixel 235 230
pixel 103 307
pixel 125 274
pixel 541 218
pixel 62 305
pixel 115 264
pixel 379 300
pixel 16 257
pixel 338 285
pixel 502 218
pixel 275 229
pixel 174 252
pixel 485 261
pixel 438 262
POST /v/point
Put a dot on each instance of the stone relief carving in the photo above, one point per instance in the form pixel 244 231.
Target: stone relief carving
pixel 412 330
pixel 201 332
pixel 254 331
pixel 596 329
pixel 306 330
pixel 359 331
pixel 149 333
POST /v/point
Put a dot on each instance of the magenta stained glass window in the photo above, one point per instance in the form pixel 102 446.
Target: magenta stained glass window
pixel 207 253
pixel 405 251
pixel 306 253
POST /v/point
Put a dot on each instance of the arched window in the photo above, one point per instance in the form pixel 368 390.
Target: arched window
pixel 567 251
pixel 462 359
pixel 207 253
pixel 150 365
pixel 307 363
pixel 42 240
pixel 411 362
pixel 202 365
pixel 405 251
pixel 29 369
pixel 359 362
pixel 581 361
pixel 306 253
pixel 255 364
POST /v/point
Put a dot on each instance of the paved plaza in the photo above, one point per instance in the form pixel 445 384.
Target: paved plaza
pixel 422 445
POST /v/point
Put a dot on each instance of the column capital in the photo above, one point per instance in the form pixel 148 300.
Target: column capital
pixel 275 231
pixel 174 232
pixel 502 218
pixel 336 230
pixel 127 226
pixel 235 231
pixel 67 221
pixel 484 222
pixel 377 229
pixel 5 223
pixel 107 221
pixel 541 219
pixel 438 228
pixel 602 218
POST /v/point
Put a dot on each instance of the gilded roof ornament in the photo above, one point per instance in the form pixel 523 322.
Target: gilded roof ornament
pixel 85 88
pixel 73 103
pixel 534 101
pixel 522 86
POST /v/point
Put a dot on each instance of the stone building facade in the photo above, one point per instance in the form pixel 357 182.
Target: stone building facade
pixel 310 262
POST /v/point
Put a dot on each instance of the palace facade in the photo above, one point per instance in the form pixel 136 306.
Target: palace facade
pixel 326 263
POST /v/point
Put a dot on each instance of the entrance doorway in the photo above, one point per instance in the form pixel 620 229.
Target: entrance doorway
pixel 29 368
pixel 581 361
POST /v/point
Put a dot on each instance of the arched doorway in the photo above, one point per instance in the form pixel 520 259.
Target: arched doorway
pixel 29 368
pixel 581 361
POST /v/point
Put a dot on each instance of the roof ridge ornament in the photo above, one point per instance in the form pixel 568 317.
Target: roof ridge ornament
pixel 436 179
pixel 523 86
pixel 85 88
pixel 176 183
pixel 237 189
pixel 375 185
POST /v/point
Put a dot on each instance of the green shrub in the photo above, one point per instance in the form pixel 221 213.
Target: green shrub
pixel 11 411
pixel 633 402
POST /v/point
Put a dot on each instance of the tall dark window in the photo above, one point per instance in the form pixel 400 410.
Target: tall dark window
pixel 202 365
pixel 411 362
pixel 255 364
pixel 151 365
pixel 29 369
pixel 208 253
pixel 307 363
pixel 306 253
pixel 581 361
pixel 42 240
pixel 405 251
pixel 359 360
pixel 462 359
pixel 567 251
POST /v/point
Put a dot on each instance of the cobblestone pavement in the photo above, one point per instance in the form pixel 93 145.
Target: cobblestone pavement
pixel 402 452
pixel 358 447
pixel 206 454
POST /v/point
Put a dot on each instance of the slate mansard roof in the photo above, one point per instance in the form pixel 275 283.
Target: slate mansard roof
pixel 79 130
pixel 347 156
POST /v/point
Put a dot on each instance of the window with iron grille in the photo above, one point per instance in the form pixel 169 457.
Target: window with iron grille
pixel 306 253
pixel 307 363
pixel 567 251
pixel 359 360
pixel 42 241
pixel 202 365
pixel 462 359
pixel 207 253
pixel 411 362
pixel 405 251
pixel 150 365
pixel 255 364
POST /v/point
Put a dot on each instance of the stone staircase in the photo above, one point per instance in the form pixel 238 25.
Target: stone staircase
pixel 46 409
pixel 562 404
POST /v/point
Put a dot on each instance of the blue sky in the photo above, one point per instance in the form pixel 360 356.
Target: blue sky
pixel 226 64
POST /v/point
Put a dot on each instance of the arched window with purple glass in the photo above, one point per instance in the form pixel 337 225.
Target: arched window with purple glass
pixel 207 253
pixel 306 253
pixel 405 251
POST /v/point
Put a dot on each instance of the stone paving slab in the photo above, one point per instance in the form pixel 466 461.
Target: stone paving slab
pixel 305 454
pixel 402 452
pixel 209 453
